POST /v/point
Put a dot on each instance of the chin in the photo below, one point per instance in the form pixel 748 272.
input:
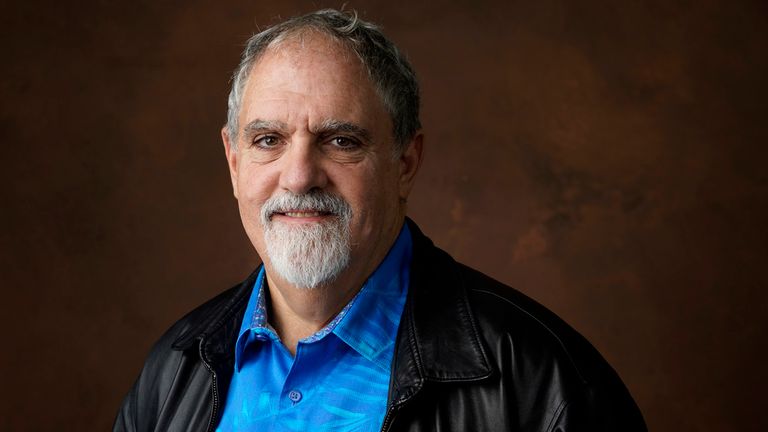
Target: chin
pixel 308 254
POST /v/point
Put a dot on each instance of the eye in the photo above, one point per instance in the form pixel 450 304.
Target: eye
pixel 344 143
pixel 266 141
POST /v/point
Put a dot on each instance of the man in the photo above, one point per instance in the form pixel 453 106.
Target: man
pixel 356 321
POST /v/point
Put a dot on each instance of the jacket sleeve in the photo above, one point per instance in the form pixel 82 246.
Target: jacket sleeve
pixel 176 388
pixel 126 417
pixel 143 403
pixel 138 413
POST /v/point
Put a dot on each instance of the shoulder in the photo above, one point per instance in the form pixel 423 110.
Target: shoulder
pixel 221 311
pixel 535 349
pixel 502 312
pixel 173 369
pixel 185 334
pixel 500 315
pixel 552 372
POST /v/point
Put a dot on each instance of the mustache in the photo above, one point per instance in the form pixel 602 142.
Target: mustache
pixel 315 200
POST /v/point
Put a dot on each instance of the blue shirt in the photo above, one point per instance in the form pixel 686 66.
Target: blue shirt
pixel 339 378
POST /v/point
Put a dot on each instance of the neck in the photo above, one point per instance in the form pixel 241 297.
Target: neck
pixel 297 313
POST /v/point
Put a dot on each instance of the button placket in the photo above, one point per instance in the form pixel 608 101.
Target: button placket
pixel 294 380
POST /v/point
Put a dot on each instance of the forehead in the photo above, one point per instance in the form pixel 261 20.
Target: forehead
pixel 311 61
pixel 310 74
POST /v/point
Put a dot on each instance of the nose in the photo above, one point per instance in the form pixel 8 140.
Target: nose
pixel 301 168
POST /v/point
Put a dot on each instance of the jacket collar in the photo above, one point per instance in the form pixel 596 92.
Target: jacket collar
pixel 214 333
pixel 437 340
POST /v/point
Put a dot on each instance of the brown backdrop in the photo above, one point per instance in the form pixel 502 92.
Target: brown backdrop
pixel 606 158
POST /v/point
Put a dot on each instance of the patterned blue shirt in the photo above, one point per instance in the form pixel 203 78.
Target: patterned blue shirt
pixel 339 378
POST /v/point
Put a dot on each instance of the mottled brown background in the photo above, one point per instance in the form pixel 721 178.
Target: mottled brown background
pixel 606 158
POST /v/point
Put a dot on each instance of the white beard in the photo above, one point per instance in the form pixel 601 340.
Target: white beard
pixel 313 254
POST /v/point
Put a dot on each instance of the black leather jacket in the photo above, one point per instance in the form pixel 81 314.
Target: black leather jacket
pixel 472 355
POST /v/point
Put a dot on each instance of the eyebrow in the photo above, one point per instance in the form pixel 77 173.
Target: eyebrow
pixel 259 125
pixel 331 126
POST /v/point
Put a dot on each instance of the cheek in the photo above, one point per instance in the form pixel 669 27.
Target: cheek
pixel 375 200
pixel 251 196
pixel 253 187
pixel 252 193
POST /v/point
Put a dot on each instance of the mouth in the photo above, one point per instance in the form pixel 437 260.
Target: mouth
pixel 306 215
pixel 314 207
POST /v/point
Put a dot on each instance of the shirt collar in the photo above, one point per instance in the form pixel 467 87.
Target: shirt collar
pixel 368 323
pixel 255 325
pixel 370 326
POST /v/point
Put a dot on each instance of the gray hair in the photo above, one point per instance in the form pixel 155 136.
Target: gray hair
pixel 390 72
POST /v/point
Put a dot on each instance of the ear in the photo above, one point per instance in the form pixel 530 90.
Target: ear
pixel 230 150
pixel 410 162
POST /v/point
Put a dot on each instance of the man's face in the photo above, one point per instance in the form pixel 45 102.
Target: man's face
pixel 312 123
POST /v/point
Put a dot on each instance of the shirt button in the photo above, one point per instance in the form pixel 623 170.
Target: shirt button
pixel 294 396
